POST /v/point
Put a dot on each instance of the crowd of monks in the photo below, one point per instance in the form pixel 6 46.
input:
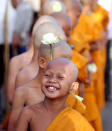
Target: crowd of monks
pixel 58 84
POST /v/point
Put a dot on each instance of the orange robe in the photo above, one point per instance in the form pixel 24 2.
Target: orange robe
pixel 71 102
pixel 92 112
pixel 69 120
pixel 84 33
pixel 100 17
pixel 5 123
pixel 81 62
pixel 75 104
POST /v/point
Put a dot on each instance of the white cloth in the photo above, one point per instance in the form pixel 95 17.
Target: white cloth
pixel 107 4
pixel 24 18
pixel 23 22
pixel 36 4
pixel 11 20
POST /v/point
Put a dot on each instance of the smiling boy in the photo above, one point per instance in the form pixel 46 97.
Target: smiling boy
pixel 52 114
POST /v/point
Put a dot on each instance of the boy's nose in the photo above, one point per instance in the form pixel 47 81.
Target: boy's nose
pixel 52 80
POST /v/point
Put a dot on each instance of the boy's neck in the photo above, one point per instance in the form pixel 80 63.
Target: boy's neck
pixel 31 48
pixel 35 56
pixel 54 105
pixel 40 75
pixel 87 10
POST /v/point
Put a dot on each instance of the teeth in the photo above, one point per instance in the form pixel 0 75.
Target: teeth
pixel 52 88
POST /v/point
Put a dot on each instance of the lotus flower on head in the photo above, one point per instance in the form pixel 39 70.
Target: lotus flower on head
pixel 49 38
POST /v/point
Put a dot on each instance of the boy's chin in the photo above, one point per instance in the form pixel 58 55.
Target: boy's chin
pixel 52 96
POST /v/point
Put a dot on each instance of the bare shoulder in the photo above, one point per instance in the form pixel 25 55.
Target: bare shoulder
pixel 20 60
pixel 26 113
pixel 21 77
pixel 23 72
pixel 32 109
pixel 25 89
pixel 16 62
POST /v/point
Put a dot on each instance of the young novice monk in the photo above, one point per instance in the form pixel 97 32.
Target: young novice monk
pixel 31 92
pixel 16 64
pixel 65 22
pixel 88 29
pixel 31 70
pixel 74 9
pixel 52 114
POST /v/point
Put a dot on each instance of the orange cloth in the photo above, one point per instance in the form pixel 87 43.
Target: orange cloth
pixel 74 103
pixel 81 62
pixel 5 123
pixel 99 58
pixel 92 112
pixel 101 19
pixel 89 30
pixel 93 27
pixel 84 33
pixel 69 120
pixel 78 40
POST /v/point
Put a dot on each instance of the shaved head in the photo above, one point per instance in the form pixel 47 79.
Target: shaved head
pixel 70 4
pixel 65 22
pixel 59 49
pixel 74 9
pixel 62 18
pixel 45 28
pixel 71 68
pixel 91 3
pixel 87 1
pixel 52 6
pixel 41 20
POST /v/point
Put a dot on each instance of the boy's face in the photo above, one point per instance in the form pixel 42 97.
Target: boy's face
pixel 56 82
pixel 68 30
pixel 93 4
pixel 75 14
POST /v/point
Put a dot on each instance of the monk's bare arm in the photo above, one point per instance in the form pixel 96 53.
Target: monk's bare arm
pixel 21 78
pixel 13 70
pixel 18 105
pixel 23 120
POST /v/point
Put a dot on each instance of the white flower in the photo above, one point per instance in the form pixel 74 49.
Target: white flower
pixel 49 38
pixel 57 7
pixel 92 68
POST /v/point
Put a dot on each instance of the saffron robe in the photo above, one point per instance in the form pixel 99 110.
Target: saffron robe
pixel 69 120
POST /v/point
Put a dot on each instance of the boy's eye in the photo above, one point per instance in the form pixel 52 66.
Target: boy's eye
pixel 46 75
pixel 60 77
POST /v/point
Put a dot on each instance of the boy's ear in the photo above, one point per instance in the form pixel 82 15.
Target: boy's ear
pixel 42 62
pixel 74 87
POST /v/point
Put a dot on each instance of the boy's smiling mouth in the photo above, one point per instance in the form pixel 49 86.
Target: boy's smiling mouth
pixel 52 88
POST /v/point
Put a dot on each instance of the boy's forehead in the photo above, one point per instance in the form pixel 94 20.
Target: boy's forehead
pixel 57 67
